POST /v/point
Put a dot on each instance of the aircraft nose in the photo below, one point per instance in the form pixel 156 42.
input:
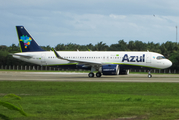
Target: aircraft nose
pixel 169 63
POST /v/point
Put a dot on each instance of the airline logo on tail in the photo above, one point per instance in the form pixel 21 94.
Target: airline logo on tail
pixel 26 40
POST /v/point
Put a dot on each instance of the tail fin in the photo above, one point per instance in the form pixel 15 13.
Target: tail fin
pixel 26 42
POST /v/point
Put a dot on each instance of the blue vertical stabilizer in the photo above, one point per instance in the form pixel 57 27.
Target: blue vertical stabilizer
pixel 26 42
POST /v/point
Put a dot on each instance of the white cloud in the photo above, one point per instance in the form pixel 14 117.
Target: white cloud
pixel 52 22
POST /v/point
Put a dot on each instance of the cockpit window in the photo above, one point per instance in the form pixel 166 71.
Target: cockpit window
pixel 160 57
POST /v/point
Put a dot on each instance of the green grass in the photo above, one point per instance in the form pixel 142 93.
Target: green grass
pixel 93 100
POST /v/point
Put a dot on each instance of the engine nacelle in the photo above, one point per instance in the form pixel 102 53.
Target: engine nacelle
pixel 110 69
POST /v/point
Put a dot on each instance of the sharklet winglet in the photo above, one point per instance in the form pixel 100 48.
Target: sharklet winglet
pixel 57 55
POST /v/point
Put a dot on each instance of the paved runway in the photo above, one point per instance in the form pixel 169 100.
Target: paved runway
pixel 62 76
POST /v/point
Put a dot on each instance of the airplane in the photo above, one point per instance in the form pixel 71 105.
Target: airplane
pixel 104 62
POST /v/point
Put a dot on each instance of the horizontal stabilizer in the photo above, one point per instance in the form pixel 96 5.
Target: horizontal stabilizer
pixel 25 56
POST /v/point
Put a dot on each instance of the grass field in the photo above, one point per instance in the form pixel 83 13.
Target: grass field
pixel 93 100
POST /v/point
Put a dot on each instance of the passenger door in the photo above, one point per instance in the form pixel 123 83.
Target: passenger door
pixel 43 61
pixel 148 59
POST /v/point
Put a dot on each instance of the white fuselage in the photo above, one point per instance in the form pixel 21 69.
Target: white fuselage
pixel 143 59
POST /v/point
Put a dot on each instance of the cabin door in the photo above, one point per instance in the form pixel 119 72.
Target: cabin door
pixel 43 61
pixel 148 58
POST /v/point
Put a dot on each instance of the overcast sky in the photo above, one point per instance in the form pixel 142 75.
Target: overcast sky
pixel 51 22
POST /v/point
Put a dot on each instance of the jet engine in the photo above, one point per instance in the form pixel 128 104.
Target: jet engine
pixel 110 69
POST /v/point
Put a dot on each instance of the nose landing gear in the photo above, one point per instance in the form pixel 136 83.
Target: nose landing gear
pixel 149 74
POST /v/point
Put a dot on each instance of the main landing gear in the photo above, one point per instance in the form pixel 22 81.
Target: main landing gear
pixel 149 74
pixel 91 74
pixel 98 74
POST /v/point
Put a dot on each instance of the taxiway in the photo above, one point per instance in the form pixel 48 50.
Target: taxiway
pixel 83 77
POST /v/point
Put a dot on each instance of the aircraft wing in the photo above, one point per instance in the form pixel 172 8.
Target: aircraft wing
pixel 78 61
pixel 21 55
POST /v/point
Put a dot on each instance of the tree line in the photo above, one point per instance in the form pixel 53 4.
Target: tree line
pixel 169 49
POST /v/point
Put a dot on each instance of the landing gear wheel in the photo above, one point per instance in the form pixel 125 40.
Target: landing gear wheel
pixel 149 75
pixel 98 74
pixel 91 74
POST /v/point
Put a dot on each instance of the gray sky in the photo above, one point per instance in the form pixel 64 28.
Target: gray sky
pixel 51 22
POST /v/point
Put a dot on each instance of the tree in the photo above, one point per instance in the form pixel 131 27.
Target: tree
pixel 121 46
pixel 60 47
pixel 174 57
pixel 13 48
pixel 3 57
pixel 100 46
pixel 48 48
pixel 153 47
pixel 90 47
pixel 132 46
